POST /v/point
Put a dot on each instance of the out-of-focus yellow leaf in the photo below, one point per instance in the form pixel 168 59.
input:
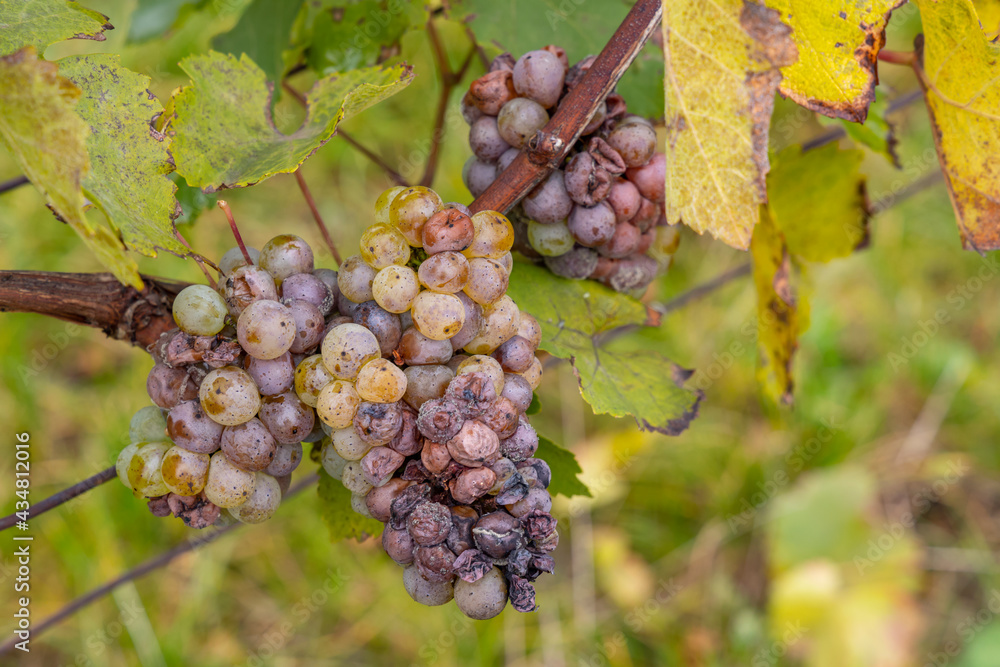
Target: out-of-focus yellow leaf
pixel 989 16
pixel 722 70
pixel 960 71
pixel 838 42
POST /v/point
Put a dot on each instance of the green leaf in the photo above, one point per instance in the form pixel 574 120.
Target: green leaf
pixel 985 646
pixel 838 42
pixel 818 202
pixel 642 84
pixel 39 126
pixel 346 38
pixel 960 74
pixel 340 518
pixel 535 406
pixel 129 161
pixel 193 202
pixel 262 33
pixel 152 18
pixel 575 316
pixel 224 135
pixel 877 133
pixel 39 23
pixel 722 61
pixel 565 469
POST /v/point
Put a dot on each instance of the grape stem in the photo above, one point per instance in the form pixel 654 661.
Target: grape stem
pixel 63 496
pixel 224 205
pixel 550 146
pixel 199 259
pixel 301 180
pixel 13 183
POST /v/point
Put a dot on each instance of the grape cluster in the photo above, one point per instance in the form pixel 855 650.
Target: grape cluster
pixel 422 383
pixel 601 215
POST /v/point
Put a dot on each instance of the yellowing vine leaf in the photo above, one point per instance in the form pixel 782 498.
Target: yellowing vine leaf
pixel 40 127
pixel 722 61
pixel 838 41
pixel 129 161
pixel 224 135
pixel 960 71
pixel 989 16
pixel 575 316
pixel 39 23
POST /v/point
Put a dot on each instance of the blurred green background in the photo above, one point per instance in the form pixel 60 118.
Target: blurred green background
pixel 857 529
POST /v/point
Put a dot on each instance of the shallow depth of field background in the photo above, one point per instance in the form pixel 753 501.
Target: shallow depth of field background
pixel 857 529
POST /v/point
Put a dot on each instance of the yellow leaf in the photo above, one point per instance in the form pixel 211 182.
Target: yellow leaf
pixel 989 16
pixel 838 42
pixel 960 72
pixel 722 61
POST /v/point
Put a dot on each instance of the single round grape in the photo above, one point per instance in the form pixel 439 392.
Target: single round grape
pixel 519 121
pixel 493 235
pixel 359 506
pixel 478 175
pixel 539 75
pixel 123 462
pixel 444 272
pixel 184 472
pixel 592 226
pixel 550 240
pixel 650 178
pixel 227 485
pixel 549 202
pixel 245 285
pixel 473 320
pixel 632 273
pixel 353 478
pixel 447 230
pixel 380 381
pixel 386 326
pixel 431 594
pixel 383 203
pixel 410 211
pixel 337 404
pixel 332 462
pixel 311 376
pixel 470 112
pixel 233 259
pixel 266 329
pixel 437 316
pixel 635 142
pixel 507 159
pixel 500 320
pixel 287 418
pixel 347 348
pixel 517 390
pixel 168 386
pixel 484 598
pixel 355 281
pixel 285 255
pixel 272 376
pixel 190 427
pixel 623 243
pixel 515 355
pixel 489 366
pixel 491 91
pixel 485 140
pixel 249 446
pixel 534 374
pixel 382 246
pixel 262 503
pixel 310 287
pixel 624 199
pixel 424 383
pixel 148 424
pixel 286 460
pixel 416 349
pixel 199 310
pixel 229 396
pixel 349 445
pixel 395 288
pixel 143 470
pixel 309 326
pixel 329 278
pixel 577 264
pixel 378 423
pixel 529 329
pixel 487 282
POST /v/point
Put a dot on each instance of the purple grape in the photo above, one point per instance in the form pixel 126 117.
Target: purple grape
pixel 549 202
pixel 485 139
pixel 539 75
pixel 592 226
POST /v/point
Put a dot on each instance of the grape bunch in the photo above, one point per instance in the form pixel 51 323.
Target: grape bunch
pixel 601 215
pixel 422 383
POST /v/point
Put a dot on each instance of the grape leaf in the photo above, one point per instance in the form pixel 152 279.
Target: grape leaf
pixel 565 469
pixel 959 69
pixel 39 23
pixel 722 61
pixel 642 84
pixel 40 127
pixel 129 162
pixel 262 33
pixel 152 18
pixel 345 38
pixel 193 202
pixel 340 517
pixel 575 316
pixel 878 133
pixel 224 135
pixel 989 16
pixel 838 42
pixel 535 406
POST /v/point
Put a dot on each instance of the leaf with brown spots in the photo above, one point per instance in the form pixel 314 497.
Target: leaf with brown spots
pixel 959 69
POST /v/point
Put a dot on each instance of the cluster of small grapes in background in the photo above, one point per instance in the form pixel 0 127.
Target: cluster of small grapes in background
pixel 601 215
pixel 410 370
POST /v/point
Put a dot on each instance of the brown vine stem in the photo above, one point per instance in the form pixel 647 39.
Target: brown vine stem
pixel 63 496
pixel 140 570
pixel 13 183
pixel 907 58
pixel 548 148
pixel 224 205
pixel 301 180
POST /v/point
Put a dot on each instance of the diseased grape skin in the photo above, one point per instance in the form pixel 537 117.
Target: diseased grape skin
pixel 487 282
pixel 233 258
pixel 515 355
pixel 347 348
pixel 249 446
pixel 395 288
pixel 493 235
pixel 445 272
pixel 473 320
pixel 309 287
pixel 577 264
pixel 549 202
pixel 385 325
pixel 491 91
pixel 624 199
pixel 311 375
pixel 184 472
pixel 410 211
pixel 266 329
pixel 447 230
pixel 517 390
pixel 337 403
pixel 199 310
pixel 635 142
pixel 437 316
pixel 529 329
pixel 592 226
pixel 353 478
pixel 272 376
pixel 485 139
pixel 378 423
pixel 191 428
pixel 539 75
pixel 650 178
pixel 380 381
pixel 286 460
pixel 245 285
pixel 550 240
pixel 383 203
pixel 382 246
pixel 425 592
pixel 287 418
pixel 143 470
pixel 309 326
pixel 229 396
pixel 624 242
pixel 227 485
pixel 262 503
pixel 478 175
pixel 355 280
pixel 424 383
pixel 482 599
pixel 285 255
pixel 534 374
pixel 482 364
pixel 349 445
pixel 499 323
pixel 416 349
pixel 519 121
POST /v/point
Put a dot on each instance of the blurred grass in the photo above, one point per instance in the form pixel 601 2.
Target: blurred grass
pixel 671 562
